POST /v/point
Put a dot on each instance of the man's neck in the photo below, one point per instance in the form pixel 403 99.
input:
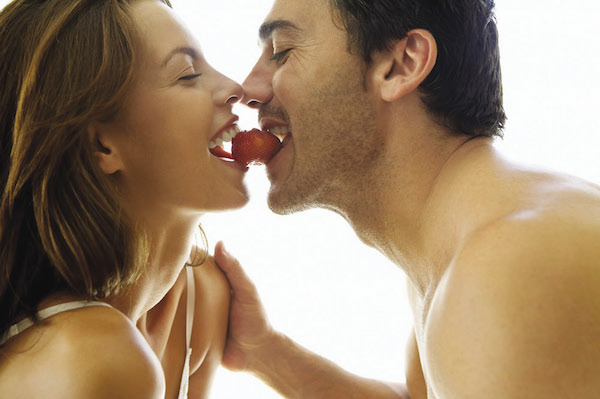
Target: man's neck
pixel 410 218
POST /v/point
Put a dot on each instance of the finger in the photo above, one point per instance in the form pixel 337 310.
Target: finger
pixel 225 260
pixel 238 279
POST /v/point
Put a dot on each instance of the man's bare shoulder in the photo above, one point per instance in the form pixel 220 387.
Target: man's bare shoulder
pixel 518 310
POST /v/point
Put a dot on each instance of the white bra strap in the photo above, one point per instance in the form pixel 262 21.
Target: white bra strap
pixel 190 307
pixel 45 313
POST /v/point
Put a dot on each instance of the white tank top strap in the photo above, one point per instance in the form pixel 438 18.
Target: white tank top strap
pixel 189 324
pixel 45 313
pixel 190 306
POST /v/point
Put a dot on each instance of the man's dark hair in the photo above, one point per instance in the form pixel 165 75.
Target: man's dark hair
pixel 464 89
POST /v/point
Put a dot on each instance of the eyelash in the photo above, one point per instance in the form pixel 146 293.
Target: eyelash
pixel 190 77
pixel 278 57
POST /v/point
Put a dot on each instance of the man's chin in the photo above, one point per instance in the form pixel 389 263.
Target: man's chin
pixel 283 203
pixel 278 206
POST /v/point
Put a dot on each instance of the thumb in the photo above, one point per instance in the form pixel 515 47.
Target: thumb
pixel 238 279
pixel 225 260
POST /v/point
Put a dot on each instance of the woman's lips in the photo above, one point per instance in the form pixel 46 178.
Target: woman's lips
pixel 220 152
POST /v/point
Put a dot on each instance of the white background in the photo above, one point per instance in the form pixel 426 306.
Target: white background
pixel 323 287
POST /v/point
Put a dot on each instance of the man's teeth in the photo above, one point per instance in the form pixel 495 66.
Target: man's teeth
pixel 280 130
pixel 226 137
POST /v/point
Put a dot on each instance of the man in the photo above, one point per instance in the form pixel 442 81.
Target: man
pixel 392 108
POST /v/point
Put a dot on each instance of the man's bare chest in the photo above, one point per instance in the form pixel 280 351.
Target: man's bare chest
pixel 427 340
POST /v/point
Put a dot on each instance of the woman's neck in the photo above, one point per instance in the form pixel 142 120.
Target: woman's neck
pixel 170 248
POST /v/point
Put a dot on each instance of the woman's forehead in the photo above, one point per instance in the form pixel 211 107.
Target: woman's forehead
pixel 162 33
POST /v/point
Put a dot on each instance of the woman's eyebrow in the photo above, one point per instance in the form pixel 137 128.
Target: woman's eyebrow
pixel 181 50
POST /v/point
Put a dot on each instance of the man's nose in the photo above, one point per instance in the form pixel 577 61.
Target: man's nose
pixel 258 86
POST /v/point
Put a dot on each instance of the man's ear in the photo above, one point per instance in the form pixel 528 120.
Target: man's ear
pixel 106 152
pixel 405 66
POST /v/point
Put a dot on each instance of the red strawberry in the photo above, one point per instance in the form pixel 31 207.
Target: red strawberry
pixel 254 146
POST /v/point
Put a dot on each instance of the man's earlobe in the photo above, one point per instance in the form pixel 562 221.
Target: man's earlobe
pixel 105 150
pixel 405 65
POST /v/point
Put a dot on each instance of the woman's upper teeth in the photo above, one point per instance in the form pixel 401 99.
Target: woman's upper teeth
pixel 226 137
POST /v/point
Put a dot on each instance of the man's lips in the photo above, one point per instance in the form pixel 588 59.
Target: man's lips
pixel 286 139
pixel 283 132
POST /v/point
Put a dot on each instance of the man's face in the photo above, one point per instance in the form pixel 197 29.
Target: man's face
pixel 308 83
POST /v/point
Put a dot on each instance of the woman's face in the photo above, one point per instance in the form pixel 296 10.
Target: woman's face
pixel 176 106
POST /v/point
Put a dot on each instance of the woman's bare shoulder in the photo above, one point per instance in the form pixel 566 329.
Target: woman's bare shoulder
pixel 209 275
pixel 93 352
pixel 212 294
pixel 210 324
pixel 117 362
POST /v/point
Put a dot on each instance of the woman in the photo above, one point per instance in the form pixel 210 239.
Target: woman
pixel 107 109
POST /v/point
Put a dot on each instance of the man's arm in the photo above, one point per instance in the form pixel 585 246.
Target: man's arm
pixel 293 371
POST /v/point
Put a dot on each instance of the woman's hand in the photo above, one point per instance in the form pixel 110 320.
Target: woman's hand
pixel 249 329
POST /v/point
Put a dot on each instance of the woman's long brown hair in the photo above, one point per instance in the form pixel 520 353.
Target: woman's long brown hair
pixel 64 64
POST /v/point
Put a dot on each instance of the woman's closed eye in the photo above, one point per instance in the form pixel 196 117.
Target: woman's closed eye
pixel 190 77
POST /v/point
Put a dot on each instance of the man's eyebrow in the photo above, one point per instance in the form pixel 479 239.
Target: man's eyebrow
pixel 266 29
pixel 181 50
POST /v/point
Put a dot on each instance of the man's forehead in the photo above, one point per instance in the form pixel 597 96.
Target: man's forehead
pixel 294 16
pixel 295 6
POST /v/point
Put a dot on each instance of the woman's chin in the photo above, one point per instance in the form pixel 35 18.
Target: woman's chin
pixel 242 201
pixel 233 201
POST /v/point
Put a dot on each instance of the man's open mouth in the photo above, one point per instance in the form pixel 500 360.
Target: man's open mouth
pixel 279 131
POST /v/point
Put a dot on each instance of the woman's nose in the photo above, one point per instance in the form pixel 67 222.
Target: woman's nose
pixel 233 92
